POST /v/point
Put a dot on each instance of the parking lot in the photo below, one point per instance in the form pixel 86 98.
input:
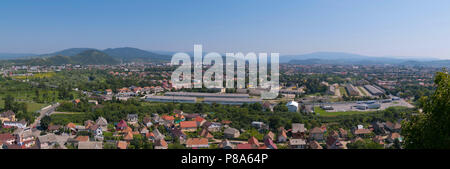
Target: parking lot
pixel 350 106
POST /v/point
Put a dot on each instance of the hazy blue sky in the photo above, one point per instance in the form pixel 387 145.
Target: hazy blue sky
pixel 369 27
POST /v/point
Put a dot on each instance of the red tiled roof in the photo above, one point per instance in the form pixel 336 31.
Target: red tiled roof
pixel 122 124
pixel 122 145
pixel 129 136
pixel 6 136
pixel 226 122
pixel 362 131
pixel 168 118
pixel 82 138
pixel 205 133
pixel 71 125
pixel 244 146
pixel 253 140
pixel 188 124
pixel 196 141
pixel 199 119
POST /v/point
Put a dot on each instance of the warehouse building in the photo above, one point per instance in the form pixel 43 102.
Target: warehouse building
pixel 176 99
pixel 351 90
pixel 373 90
pixel 206 95
pixel 231 101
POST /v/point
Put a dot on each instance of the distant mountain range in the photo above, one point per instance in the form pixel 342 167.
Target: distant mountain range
pixel 86 56
pixel 91 57
pixel 128 54
pixel 355 59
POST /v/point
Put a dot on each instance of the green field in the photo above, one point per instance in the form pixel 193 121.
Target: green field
pixel 322 112
pixel 74 117
pixel 36 76
pixel 31 106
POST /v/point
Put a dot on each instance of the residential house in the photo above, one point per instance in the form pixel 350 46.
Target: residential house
pixel 109 92
pixel 19 124
pixel 259 125
pixel 298 130
pixel 157 135
pixel 361 132
pixel 160 144
pixel 90 145
pixel 53 128
pixel 245 146
pixel 197 143
pixel 267 106
pixel 156 119
pixel 82 138
pixel 314 145
pixel 24 137
pixel 231 133
pixel 46 141
pixel 393 127
pixel 200 120
pixel 7 139
pixel 270 144
pixel 128 136
pixel 80 128
pixel 269 135
pixel 282 137
pixel 189 126
pixel 179 134
pixel 191 116
pixel 97 131
pixel 254 142
pixel 144 131
pixel 334 143
pixel 297 143
pixel 72 127
pixel 8 116
pixel 212 126
pixel 88 124
pixel 394 136
pixel 225 144
pixel 168 119
pixel 122 145
pixel 102 123
pixel 316 134
pixel 378 127
pixel 378 139
pixel 206 134
pixel 132 118
pixel 334 134
pixel 121 125
pixel 343 133
pixel 147 121
pixel 76 101
pixel 93 102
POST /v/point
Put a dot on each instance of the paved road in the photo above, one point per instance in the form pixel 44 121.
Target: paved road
pixel 44 111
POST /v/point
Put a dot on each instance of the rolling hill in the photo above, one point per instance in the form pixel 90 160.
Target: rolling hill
pixel 88 57
pixel 127 54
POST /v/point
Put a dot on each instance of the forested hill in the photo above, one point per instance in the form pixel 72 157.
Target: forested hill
pixel 88 57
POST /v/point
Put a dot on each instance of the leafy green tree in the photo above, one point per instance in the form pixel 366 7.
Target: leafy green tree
pixel 364 144
pixel 176 146
pixel 9 101
pixel 45 121
pixel 281 107
pixel 430 129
